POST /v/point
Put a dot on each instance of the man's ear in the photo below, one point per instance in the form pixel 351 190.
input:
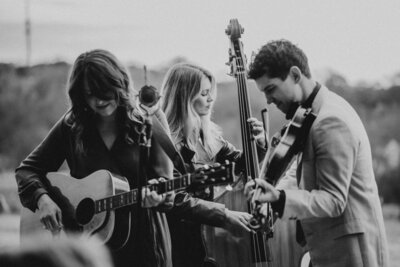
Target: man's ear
pixel 295 72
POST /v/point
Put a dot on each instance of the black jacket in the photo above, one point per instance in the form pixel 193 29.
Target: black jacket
pixel 151 247
pixel 192 210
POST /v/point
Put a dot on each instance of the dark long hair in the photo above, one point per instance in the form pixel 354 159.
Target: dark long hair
pixel 100 72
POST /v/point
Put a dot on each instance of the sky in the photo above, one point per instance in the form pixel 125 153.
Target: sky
pixel 359 39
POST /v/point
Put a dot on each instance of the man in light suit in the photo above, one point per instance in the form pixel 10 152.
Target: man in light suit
pixel 335 197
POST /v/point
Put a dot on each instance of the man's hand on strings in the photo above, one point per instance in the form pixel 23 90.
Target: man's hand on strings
pixel 152 198
pixel 265 192
pixel 257 130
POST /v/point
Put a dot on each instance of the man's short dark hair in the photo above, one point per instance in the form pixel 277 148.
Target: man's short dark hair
pixel 276 58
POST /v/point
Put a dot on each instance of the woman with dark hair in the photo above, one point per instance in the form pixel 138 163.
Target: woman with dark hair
pixel 101 131
pixel 189 92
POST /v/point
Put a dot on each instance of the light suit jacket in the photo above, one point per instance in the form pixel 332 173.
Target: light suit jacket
pixel 338 195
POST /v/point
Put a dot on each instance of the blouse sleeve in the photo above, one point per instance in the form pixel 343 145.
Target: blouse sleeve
pixel 46 157
pixel 198 210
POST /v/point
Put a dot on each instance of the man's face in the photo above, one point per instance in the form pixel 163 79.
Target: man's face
pixel 278 91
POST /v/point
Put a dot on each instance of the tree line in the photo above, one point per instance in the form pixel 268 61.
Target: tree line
pixel 33 98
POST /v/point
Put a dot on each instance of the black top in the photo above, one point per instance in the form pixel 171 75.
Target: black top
pixel 121 159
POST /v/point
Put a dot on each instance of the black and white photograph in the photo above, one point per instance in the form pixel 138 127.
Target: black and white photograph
pixel 199 133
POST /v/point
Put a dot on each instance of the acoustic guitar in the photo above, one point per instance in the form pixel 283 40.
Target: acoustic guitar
pixel 98 205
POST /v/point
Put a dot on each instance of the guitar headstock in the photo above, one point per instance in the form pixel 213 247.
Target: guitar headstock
pixel 237 59
pixel 217 174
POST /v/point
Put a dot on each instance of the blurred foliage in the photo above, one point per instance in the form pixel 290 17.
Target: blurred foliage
pixel 33 99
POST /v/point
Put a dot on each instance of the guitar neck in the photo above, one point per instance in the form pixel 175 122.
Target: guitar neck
pixel 131 197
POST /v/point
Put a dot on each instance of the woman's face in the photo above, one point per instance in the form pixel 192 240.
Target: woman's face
pixel 203 100
pixel 102 107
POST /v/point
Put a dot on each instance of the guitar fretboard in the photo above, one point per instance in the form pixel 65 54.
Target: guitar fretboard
pixel 131 197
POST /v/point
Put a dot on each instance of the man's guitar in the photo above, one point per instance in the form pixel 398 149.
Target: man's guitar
pixel 98 205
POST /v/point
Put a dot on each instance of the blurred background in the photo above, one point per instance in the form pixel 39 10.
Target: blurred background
pixel 352 46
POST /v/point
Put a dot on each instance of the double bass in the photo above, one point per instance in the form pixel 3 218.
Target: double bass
pixel 239 248
pixel 258 249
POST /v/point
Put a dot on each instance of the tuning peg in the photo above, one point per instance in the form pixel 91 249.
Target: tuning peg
pixel 228 187
pixel 228 30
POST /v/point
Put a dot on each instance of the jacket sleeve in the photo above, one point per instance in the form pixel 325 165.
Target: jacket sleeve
pixel 31 173
pixel 335 149
pixel 198 210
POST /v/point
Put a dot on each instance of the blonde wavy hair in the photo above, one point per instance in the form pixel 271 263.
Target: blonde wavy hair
pixel 180 87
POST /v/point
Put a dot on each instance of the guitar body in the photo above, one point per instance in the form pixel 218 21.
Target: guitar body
pixel 111 227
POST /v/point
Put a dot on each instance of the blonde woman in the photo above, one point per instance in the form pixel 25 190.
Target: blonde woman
pixel 189 92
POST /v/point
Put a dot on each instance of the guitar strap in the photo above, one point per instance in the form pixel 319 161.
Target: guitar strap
pixel 160 133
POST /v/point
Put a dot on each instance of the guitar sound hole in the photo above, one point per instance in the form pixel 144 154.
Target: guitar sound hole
pixel 85 211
